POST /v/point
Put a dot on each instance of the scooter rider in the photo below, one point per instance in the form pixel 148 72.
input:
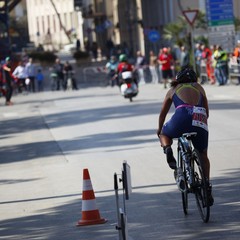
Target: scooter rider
pixel 123 66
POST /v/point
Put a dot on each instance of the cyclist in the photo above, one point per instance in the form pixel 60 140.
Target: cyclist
pixel 191 113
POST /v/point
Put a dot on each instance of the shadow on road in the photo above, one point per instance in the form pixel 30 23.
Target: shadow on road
pixel 161 211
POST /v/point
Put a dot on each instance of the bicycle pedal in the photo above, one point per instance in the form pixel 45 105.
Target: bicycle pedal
pixel 181 183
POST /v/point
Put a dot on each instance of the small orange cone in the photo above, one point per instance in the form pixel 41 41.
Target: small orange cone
pixel 90 213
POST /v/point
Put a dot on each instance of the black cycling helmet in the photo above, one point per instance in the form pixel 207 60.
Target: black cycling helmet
pixel 186 75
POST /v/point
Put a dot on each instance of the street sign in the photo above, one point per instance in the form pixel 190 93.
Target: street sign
pixel 221 30
pixel 222 35
pixel 219 12
pixel 153 36
pixel 190 16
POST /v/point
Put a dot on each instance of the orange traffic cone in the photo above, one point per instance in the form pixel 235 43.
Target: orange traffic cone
pixel 90 213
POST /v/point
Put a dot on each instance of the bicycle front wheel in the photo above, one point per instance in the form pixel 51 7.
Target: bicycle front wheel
pixel 200 187
pixel 184 193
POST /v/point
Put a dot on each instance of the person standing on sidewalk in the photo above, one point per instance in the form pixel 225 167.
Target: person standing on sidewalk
pixel 166 60
pixel 58 67
pixel 221 66
pixel 153 67
pixel 20 73
pixel 31 72
pixel 139 67
pixel 184 57
pixel 9 78
pixel 237 57
pixel 40 79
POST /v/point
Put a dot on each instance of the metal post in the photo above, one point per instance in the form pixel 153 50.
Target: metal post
pixel 192 50
pixel 117 204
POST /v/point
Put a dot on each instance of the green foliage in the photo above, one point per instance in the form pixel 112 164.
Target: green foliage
pixel 173 31
pixel 237 24
pixel 47 56
pixel 177 32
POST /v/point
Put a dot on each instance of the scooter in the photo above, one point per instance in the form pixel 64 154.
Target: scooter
pixel 128 87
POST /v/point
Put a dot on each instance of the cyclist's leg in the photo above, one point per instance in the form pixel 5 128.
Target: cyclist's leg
pixel 206 169
pixel 166 143
pixel 206 163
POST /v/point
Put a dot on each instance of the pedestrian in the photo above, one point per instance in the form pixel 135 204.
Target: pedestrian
pixel 8 81
pixel 94 50
pixel 69 76
pixel 153 65
pixel 166 61
pixel 221 65
pixel 40 79
pixel 111 70
pixel 20 73
pixel 207 57
pixel 78 45
pixel 58 68
pixel 184 57
pixel 31 72
pixel 140 66
pixel 236 54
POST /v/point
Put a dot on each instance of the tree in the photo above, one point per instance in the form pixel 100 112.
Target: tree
pixel 60 21
pixel 237 24
pixel 178 31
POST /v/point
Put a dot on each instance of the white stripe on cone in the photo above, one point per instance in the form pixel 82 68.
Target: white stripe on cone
pixel 89 205
pixel 87 185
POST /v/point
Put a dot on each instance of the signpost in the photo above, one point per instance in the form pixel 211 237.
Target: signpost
pixel 221 30
pixel 153 36
pixel 191 16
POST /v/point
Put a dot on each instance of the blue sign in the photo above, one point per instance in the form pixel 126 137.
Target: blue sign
pixel 219 12
pixel 153 36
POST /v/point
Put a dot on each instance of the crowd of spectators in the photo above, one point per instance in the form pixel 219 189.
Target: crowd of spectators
pixel 212 64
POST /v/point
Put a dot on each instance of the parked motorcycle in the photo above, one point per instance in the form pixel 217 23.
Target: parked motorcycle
pixel 128 86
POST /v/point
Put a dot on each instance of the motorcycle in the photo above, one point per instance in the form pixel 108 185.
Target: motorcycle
pixel 128 87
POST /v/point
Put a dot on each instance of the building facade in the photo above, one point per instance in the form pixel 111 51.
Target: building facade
pixel 52 23
pixel 97 21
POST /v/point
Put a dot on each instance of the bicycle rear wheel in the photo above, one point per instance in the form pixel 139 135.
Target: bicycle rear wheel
pixel 185 200
pixel 200 187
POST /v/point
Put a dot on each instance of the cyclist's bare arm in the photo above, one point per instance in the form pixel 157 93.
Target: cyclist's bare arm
pixel 165 108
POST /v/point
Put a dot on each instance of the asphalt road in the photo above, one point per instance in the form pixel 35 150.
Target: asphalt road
pixel 47 139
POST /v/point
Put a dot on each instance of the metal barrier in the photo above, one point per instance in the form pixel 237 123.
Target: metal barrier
pixel 203 72
pixel 97 72
pixel 234 71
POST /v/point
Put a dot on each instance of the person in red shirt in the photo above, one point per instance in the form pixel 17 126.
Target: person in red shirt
pixel 123 66
pixel 165 59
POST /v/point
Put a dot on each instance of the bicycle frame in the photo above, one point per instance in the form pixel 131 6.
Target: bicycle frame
pixel 190 176
pixel 184 153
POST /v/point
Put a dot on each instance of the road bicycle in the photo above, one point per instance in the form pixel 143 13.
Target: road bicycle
pixel 190 176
